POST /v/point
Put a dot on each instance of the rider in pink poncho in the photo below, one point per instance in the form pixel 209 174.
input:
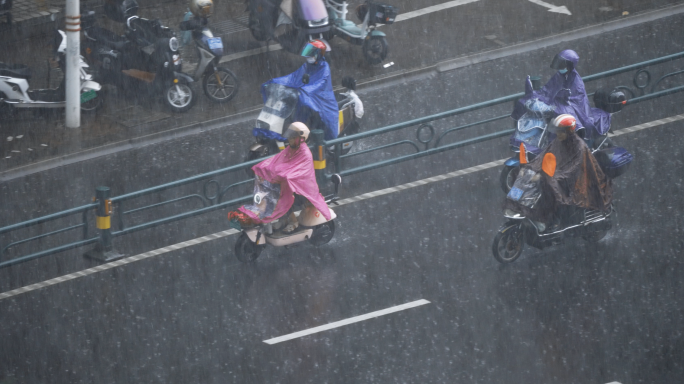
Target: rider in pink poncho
pixel 290 171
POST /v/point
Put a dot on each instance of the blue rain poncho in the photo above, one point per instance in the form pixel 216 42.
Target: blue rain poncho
pixel 317 95
pixel 566 93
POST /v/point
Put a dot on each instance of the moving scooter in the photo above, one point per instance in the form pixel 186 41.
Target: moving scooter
pixel 219 83
pixel 313 227
pixel 291 23
pixel 373 42
pixel 14 86
pixel 590 225
pixel 277 113
pixel 146 59
pixel 531 132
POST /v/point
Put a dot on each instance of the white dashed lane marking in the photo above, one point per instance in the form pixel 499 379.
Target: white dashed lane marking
pixel 350 200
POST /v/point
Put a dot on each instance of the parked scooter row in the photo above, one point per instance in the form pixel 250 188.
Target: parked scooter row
pixel 147 58
pixel 294 22
pixel 14 84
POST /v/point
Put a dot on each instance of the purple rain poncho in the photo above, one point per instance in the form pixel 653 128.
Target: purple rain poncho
pixel 566 93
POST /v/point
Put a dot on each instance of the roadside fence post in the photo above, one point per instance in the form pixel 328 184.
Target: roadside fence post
pixel 318 138
pixel 104 250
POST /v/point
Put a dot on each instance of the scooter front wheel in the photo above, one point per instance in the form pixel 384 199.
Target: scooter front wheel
pixel 508 175
pixel 508 243
pixel 220 86
pixel 375 49
pixel 245 250
pixel 322 234
pixel 179 97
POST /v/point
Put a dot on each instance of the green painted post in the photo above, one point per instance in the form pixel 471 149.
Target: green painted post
pixel 104 250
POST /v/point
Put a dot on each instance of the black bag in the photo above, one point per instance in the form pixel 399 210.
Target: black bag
pixel 609 101
pixel 382 13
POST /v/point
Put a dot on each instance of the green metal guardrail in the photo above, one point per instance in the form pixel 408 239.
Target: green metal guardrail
pixel 105 206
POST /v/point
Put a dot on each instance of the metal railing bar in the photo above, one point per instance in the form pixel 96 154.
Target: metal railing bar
pixel 43 219
pixel 220 196
pixel 202 199
pixel 381 147
pixel 468 126
pixel 428 152
pixel 188 180
pixel 49 252
pixel 632 67
pixel 663 78
pixel 38 237
pixel 182 216
pixel 655 95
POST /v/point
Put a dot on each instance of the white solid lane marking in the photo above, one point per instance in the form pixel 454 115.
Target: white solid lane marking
pixel 346 201
pixel 400 17
pixel 552 8
pixel 342 323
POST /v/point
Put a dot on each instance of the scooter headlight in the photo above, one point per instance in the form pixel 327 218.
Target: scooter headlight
pixel 259 197
pixel 173 44
pixel 318 23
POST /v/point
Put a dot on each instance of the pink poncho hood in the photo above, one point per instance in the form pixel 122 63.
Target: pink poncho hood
pixel 293 169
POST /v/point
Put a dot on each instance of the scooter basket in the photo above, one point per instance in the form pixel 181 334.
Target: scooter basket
pixel 382 13
pixel 613 161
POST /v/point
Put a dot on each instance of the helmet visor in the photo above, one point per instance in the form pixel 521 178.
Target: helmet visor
pixel 310 50
pixel 293 134
pixel 559 63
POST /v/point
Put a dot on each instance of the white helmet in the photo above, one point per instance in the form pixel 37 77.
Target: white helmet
pixel 297 129
pixel 201 8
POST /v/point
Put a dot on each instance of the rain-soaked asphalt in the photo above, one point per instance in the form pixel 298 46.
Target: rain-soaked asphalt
pixel 423 40
pixel 574 313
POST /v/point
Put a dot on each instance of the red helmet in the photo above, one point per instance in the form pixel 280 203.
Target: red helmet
pixel 565 121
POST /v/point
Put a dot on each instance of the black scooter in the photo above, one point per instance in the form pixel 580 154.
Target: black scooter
pixel 590 225
pixel 145 59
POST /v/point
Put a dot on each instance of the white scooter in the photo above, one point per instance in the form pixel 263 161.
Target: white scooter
pixel 14 86
pixel 312 225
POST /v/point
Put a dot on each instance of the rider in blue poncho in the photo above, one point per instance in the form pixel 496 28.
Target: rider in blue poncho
pixel 316 94
pixel 565 92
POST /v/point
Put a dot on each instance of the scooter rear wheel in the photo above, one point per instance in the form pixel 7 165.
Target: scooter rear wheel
pixel 245 250
pixel 322 234
pixel 220 86
pixel 508 243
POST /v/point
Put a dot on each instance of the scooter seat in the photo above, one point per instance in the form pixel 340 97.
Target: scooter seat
pixel 107 37
pixel 348 26
pixel 15 70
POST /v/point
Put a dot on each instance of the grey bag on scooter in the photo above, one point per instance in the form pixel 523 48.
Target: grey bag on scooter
pixel 526 190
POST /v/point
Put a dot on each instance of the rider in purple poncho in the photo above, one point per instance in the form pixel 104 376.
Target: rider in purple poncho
pixel 565 91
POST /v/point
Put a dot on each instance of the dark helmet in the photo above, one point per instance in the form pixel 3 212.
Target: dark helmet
pixel 349 83
pixel 566 59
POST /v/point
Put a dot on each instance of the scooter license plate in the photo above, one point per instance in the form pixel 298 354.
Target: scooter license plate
pixel 89 95
pixel 515 194
pixel 215 43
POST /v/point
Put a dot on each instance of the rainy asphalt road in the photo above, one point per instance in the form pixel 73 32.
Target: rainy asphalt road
pixel 574 313
pixel 420 41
